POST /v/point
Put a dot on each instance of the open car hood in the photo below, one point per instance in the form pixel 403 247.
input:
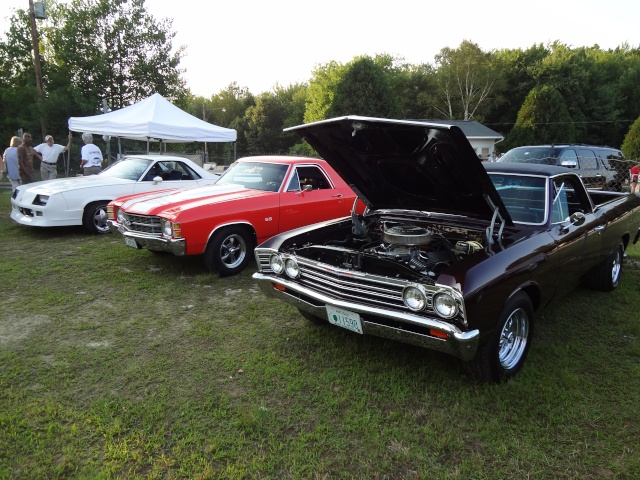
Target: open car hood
pixel 409 165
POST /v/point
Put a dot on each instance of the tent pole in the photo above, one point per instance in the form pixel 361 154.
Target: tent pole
pixel 119 148
pixel 147 145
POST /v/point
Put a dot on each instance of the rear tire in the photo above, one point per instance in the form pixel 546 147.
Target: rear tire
pixel 228 251
pixel 503 355
pixel 606 276
pixel 95 217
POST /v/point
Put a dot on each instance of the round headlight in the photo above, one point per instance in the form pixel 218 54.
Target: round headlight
pixel 291 267
pixel 276 263
pixel 120 216
pixel 414 298
pixel 166 228
pixel 445 305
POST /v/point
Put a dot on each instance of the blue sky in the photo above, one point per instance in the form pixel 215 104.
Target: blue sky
pixel 261 43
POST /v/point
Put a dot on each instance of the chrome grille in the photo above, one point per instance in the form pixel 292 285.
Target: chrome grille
pixel 143 224
pixel 345 285
pixel 262 258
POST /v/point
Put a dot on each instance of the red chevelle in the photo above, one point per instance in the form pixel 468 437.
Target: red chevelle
pixel 255 199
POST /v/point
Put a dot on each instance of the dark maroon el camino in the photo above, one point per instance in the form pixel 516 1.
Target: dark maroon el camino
pixel 450 254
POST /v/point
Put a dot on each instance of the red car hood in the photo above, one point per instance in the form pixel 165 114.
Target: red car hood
pixel 174 201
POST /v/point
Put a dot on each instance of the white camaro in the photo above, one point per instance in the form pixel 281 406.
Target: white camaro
pixel 83 200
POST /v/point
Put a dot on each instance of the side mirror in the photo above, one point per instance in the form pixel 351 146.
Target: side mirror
pixel 157 180
pixel 307 188
pixel 577 219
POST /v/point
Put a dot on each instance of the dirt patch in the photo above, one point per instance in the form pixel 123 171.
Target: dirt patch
pixel 17 329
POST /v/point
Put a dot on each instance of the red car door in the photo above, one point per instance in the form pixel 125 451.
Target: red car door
pixel 311 197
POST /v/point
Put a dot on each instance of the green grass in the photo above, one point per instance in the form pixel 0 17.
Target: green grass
pixel 116 363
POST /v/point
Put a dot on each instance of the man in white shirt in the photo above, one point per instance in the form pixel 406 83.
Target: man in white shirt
pixel 91 156
pixel 50 152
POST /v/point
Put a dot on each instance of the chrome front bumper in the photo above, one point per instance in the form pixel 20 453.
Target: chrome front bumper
pixel 158 244
pixel 458 343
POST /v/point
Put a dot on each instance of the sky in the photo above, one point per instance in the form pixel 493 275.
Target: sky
pixel 263 43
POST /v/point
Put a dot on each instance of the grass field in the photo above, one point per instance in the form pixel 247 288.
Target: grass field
pixel 117 363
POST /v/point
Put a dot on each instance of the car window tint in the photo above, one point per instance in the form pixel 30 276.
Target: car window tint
pixel 294 182
pixel 587 159
pixel 541 155
pixel 312 175
pixel 524 197
pixel 127 168
pixel 255 175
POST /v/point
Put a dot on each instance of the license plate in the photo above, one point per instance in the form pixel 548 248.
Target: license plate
pixel 344 318
pixel 130 242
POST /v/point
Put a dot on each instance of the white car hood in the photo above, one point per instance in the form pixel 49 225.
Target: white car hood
pixel 62 185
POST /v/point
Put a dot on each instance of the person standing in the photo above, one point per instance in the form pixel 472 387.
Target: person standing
pixel 25 159
pixel 50 152
pixel 634 173
pixel 90 155
pixel 10 158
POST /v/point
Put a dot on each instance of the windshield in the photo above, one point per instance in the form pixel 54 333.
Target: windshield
pixel 523 196
pixel 543 155
pixel 127 168
pixel 255 175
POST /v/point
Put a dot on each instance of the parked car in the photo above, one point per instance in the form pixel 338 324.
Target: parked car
pixel 83 200
pixel 452 253
pixel 256 198
pixel 599 167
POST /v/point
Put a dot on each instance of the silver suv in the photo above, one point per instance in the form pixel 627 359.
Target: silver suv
pixel 599 167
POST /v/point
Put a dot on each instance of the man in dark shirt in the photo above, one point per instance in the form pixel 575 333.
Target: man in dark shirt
pixel 25 159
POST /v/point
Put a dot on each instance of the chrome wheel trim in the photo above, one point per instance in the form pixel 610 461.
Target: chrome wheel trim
pixel 100 220
pixel 513 339
pixel 233 249
pixel 616 267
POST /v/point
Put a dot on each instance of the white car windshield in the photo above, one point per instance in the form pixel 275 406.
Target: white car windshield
pixel 127 168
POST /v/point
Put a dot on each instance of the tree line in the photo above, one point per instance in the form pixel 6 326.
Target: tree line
pixel 93 51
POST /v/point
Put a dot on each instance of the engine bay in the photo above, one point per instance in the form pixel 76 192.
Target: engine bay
pixel 411 249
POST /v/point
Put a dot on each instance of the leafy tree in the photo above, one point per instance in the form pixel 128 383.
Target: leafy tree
pixel 274 111
pixel 321 91
pixel 515 69
pixel 91 50
pixel 465 79
pixel 631 145
pixel 115 50
pixel 364 89
pixel 543 118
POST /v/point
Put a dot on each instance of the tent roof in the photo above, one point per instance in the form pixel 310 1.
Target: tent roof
pixel 152 119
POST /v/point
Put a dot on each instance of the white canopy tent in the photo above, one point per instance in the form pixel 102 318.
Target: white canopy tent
pixel 153 119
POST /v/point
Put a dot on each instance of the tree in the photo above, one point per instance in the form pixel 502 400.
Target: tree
pixel 465 80
pixel 321 91
pixel 272 112
pixel 363 89
pixel 631 144
pixel 91 50
pixel 115 50
pixel 543 118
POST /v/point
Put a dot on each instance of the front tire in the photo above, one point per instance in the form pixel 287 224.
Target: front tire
pixel 228 251
pixel 606 276
pixel 95 217
pixel 503 355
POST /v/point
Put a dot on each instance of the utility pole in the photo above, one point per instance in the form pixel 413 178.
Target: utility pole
pixel 38 66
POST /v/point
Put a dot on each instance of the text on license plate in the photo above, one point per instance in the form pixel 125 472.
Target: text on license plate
pixel 344 318
pixel 130 242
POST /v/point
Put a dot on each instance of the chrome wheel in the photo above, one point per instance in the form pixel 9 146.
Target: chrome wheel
pixel 616 267
pixel 100 220
pixel 513 339
pixel 233 250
